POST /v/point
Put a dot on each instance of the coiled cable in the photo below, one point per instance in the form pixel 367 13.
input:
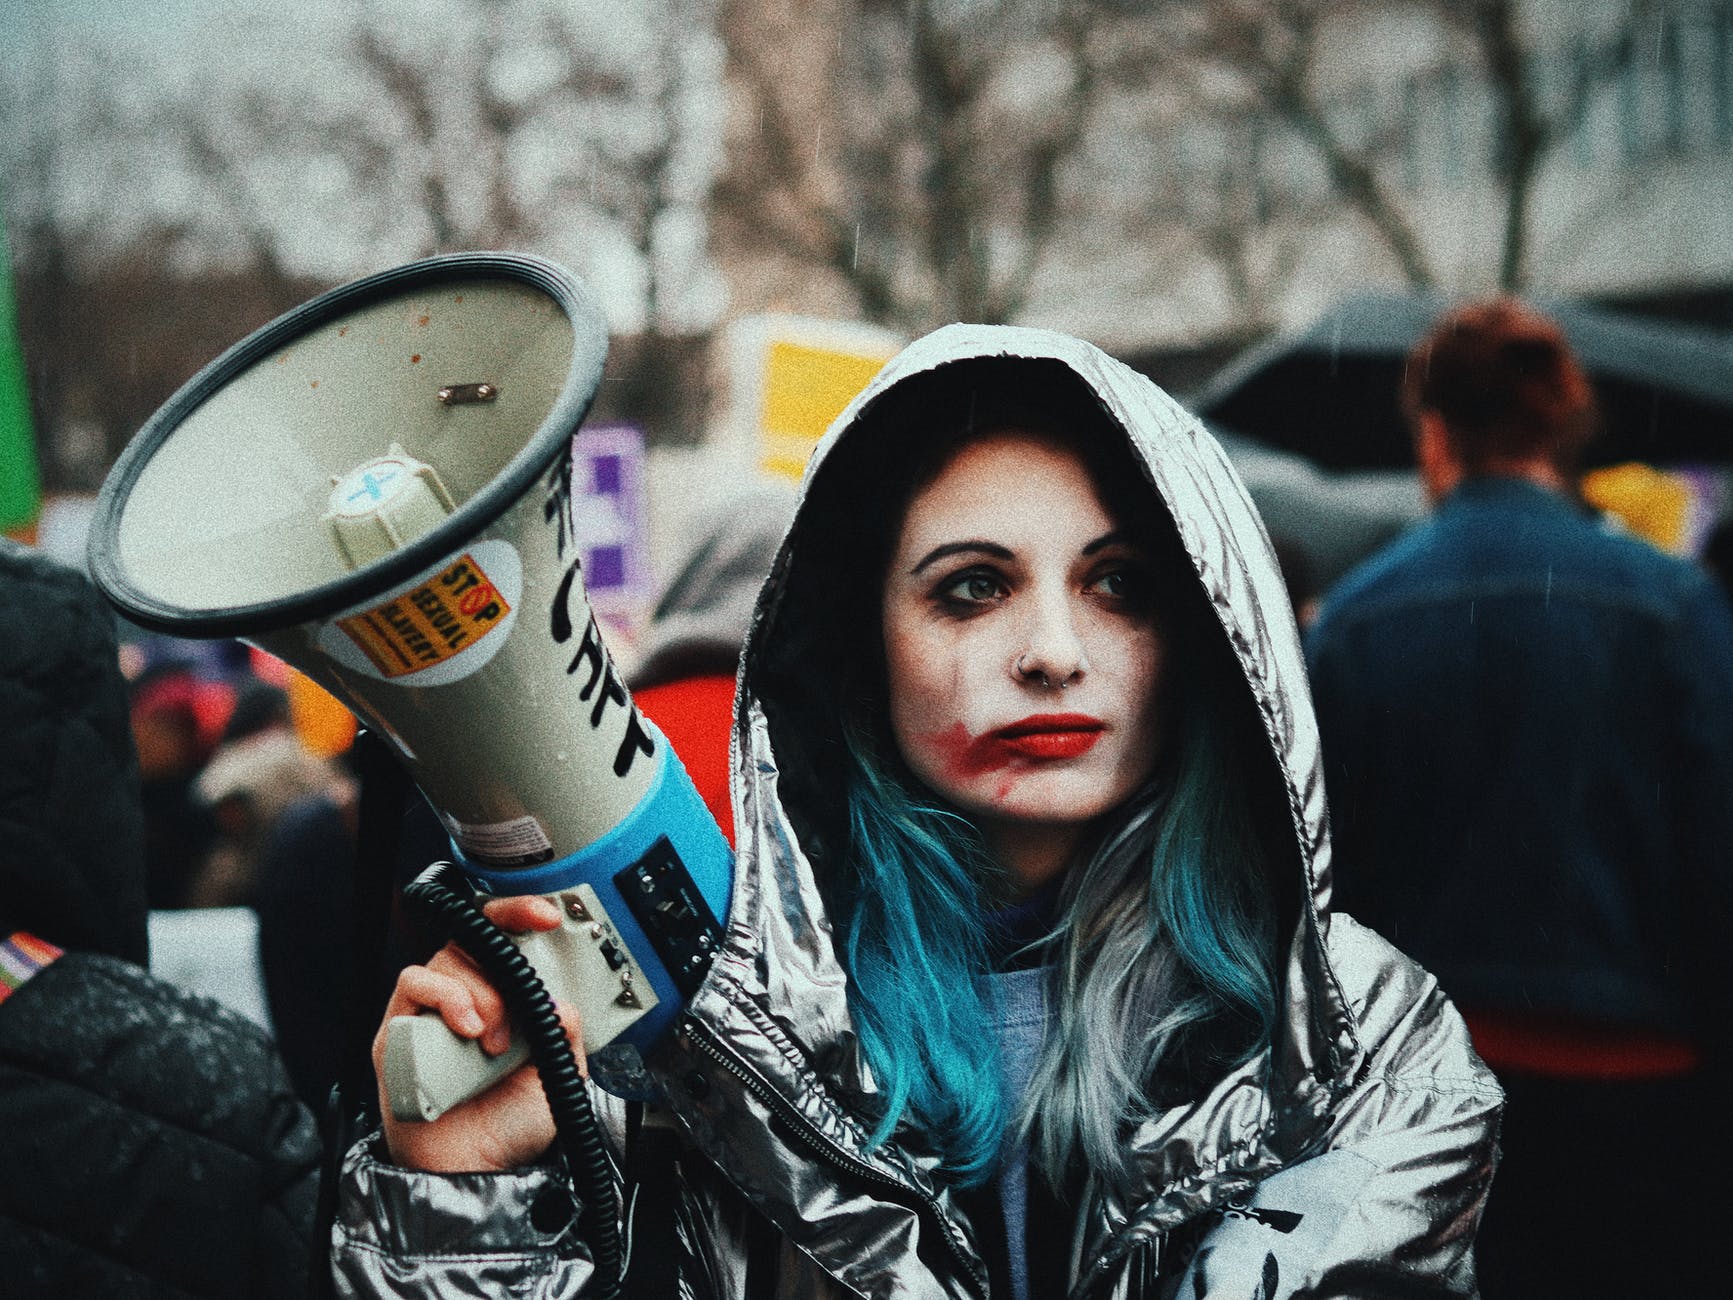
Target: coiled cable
pixel 441 894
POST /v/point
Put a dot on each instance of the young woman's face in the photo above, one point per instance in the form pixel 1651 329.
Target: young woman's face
pixel 1023 652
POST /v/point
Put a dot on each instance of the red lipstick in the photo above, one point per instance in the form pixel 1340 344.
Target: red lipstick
pixel 1047 736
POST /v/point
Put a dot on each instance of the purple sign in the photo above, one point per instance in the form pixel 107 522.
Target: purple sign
pixel 609 518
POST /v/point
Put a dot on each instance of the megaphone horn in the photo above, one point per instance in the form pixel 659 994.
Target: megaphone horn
pixel 376 488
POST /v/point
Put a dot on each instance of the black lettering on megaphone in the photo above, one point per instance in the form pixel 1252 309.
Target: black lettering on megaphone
pixel 594 653
pixel 557 507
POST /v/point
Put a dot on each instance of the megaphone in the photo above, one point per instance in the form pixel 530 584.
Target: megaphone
pixel 376 488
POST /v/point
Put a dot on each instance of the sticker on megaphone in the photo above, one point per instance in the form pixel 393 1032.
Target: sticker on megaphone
pixel 440 628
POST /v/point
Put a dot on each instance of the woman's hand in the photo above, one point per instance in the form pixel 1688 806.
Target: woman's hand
pixel 508 1125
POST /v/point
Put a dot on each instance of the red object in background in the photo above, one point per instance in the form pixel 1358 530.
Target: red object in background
pixel 268 668
pixel 696 714
pixel 1548 1048
pixel 206 705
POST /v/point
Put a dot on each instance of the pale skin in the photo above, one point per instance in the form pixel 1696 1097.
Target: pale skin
pixel 1013 594
pixel 1016 598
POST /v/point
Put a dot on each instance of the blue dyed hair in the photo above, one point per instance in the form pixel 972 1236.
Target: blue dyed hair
pixel 1166 928
pixel 914 941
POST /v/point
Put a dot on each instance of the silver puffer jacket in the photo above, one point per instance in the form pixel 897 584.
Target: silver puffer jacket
pixel 1350 1159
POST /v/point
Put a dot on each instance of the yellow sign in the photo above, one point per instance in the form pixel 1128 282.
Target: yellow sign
pixel 1654 505
pixel 430 624
pixel 805 388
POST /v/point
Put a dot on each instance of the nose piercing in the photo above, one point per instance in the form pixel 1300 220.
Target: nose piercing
pixel 1040 673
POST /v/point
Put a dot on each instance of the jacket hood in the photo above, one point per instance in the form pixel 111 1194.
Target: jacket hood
pixel 776 1004
pixel 73 868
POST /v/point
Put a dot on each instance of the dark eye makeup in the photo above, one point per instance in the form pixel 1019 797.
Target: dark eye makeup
pixel 1123 582
pixel 1126 581
pixel 970 590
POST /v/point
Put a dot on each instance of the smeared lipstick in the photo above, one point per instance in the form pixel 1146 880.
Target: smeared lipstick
pixel 1044 737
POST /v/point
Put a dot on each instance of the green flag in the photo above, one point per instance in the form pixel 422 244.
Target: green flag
pixel 20 491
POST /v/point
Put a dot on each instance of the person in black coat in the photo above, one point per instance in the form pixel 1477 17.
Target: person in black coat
pixel 151 1141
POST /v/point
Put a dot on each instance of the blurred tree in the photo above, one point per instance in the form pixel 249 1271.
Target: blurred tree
pixel 1148 175
pixel 916 161
pixel 1528 128
pixel 912 154
pixel 279 153
pixel 546 124
pixel 48 211
pixel 1275 56
pixel 582 132
pixel 1269 51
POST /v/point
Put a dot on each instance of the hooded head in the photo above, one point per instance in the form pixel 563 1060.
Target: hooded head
pixel 1180 897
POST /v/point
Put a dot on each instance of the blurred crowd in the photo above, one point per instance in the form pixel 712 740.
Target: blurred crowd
pixel 250 802
pixel 222 759
pixel 1569 912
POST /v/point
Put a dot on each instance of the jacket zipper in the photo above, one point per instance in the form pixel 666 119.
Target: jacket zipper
pixel 827 1147
pixel 1139 1269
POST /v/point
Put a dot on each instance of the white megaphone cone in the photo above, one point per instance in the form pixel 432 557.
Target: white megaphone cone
pixel 376 488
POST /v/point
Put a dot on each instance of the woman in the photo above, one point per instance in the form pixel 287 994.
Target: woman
pixel 1029 986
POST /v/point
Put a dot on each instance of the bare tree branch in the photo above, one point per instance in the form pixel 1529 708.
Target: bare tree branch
pixel 937 197
pixel 1272 47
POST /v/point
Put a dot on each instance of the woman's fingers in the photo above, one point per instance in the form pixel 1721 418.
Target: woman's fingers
pixel 509 1123
pixel 454 986
pixel 426 988
pixel 525 912
pixel 453 963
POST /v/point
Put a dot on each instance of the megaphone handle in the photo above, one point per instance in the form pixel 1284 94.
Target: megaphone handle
pixel 582 962
pixel 429 1069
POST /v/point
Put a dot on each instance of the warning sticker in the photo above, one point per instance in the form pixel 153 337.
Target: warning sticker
pixel 520 842
pixel 431 623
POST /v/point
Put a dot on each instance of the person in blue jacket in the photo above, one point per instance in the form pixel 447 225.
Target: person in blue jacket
pixel 1527 719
